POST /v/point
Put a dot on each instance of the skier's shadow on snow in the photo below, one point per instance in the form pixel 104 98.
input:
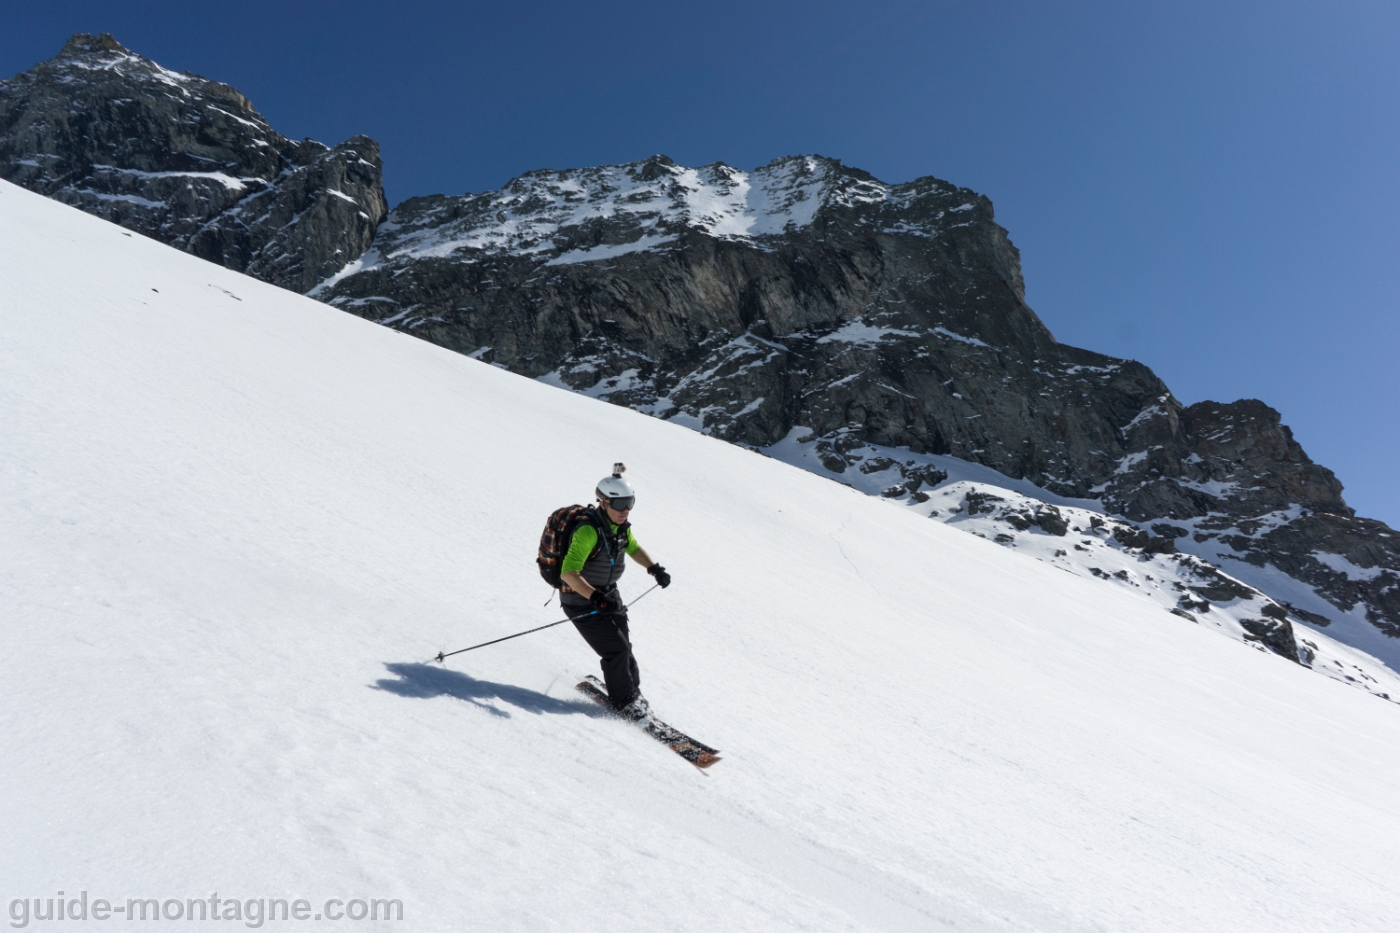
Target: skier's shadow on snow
pixel 425 681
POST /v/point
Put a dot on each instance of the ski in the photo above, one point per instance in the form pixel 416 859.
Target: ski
pixel 697 753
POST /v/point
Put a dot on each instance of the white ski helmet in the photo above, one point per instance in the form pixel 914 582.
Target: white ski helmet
pixel 617 490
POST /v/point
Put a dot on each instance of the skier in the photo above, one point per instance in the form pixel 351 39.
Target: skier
pixel 588 576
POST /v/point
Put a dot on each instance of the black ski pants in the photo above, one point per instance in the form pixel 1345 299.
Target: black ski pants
pixel 608 637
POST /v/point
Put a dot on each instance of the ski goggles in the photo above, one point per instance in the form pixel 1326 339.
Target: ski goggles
pixel 622 503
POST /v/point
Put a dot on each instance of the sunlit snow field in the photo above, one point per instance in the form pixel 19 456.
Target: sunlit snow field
pixel 235 523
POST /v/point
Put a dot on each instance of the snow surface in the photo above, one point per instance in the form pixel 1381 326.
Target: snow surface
pixel 609 250
pixel 236 522
pixel 228 181
pixel 1340 564
pixel 862 333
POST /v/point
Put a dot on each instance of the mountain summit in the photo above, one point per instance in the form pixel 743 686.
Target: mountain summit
pixel 189 162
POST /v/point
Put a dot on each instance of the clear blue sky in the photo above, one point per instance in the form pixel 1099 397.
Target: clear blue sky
pixel 1210 188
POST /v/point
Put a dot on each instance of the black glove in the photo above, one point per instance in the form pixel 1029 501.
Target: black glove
pixel 604 603
pixel 659 572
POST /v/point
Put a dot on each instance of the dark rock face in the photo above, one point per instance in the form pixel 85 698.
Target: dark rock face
pixel 1274 634
pixel 807 302
pixel 188 162
pixel 1051 521
pixel 1235 475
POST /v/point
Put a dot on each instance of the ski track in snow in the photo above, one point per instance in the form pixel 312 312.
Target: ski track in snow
pixel 235 529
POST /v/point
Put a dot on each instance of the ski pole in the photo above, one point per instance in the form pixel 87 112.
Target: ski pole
pixel 441 657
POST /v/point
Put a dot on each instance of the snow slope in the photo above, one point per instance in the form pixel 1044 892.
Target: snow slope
pixel 235 522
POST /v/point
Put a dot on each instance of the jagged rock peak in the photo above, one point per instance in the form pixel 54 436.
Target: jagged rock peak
pixel 83 43
pixel 187 161
pixel 104 53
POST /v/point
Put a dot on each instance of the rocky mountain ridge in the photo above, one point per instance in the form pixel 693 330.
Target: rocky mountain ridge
pixel 189 162
pixel 877 333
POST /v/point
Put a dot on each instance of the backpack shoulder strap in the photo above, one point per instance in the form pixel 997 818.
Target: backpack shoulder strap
pixel 582 515
pixel 605 537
